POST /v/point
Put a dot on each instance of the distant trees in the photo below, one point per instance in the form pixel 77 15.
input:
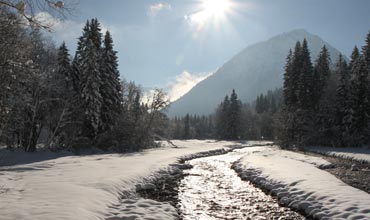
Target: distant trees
pixel 324 106
pixel 232 120
pixel 228 118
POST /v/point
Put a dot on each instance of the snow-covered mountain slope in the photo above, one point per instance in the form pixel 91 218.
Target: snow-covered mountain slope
pixel 254 70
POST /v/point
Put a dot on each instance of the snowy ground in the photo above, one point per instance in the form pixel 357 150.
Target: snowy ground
pixel 89 187
pixel 86 187
pixel 297 181
pixel 357 154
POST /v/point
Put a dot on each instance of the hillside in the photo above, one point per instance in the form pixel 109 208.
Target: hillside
pixel 254 70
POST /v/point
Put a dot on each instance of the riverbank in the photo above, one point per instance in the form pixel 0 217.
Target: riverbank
pixel 204 186
pixel 90 187
pixel 298 182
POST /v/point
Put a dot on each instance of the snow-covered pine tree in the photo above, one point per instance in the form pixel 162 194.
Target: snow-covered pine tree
pixel 355 55
pixel 320 76
pixel 287 86
pixel 234 116
pixel 90 91
pixel 304 83
pixel 366 60
pixel 305 70
pixel 186 127
pixel 110 87
pixel 360 96
pixel 343 104
pixel 80 53
pixel 222 119
pixel 295 75
pixel 323 94
pixel 63 73
pixel 61 91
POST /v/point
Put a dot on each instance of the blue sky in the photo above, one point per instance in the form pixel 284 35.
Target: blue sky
pixel 158 41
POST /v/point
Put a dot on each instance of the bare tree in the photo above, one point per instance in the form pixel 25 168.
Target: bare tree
pixel 28 10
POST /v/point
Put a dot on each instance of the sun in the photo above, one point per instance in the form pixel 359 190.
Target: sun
pixel 216 8
pixel 211 11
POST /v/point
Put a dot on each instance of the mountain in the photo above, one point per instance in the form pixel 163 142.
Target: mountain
pixel 253 71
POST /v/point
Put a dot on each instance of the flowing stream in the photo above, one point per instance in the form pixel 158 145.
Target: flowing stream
pixel 212 190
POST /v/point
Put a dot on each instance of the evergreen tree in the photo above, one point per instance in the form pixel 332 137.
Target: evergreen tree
pixel 90 91
pixel 234 116
pixel 78 58
pixel 354 58
pixel 343 104
pixel 187 127
pixel 222 123
pixel 64 71
pixel 366 52
pixel 323 93
pixel 321 75
pixel 295 75
pixel 110 87
pixel 360 97
pixel 289 94
pixel 304 83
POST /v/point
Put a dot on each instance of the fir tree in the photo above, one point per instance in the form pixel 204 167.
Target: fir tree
pixel 360 85
pixel 64 70
pixel 321 75
pixel 323 99
pixel 343 104
pixel 222 123
pixel 90 91
pixel 187 127
pixel 110 87
pixel 288 81
pixel 304 83
pixel 234 116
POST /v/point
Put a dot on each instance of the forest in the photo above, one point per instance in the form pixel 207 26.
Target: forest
pixel 58 101
pixel 321 103
pixel 53 100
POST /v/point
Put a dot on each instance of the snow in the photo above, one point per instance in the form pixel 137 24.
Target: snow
pixel 297 182
pixel 358 154
pixel 62 186
pixel 87 187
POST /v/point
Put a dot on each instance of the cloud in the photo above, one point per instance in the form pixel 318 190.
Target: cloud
pixel 156 8
pixel 67 30
pixel 183 83
pixel 61 29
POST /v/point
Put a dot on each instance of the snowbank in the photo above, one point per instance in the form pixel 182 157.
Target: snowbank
pixel 88 187
pixel 358 154
pixel 297 182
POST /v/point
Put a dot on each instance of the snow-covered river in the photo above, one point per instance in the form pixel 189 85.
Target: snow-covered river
pixel 212 190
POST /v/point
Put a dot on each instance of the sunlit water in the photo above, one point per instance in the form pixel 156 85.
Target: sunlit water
pixel 212 190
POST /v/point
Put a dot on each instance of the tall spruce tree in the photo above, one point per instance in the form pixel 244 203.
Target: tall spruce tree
pixel 304 92
pixel 234 117
pixel 288 80
pixel 186 127
pixel 222 122
pixel 110 87
pixel 305 70
pixel 323 93
pixel 321 75
pixel 90 91
pixel 343 104
pixel 361 94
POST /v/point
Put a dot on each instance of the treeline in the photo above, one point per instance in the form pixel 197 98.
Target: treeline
pixel 76 103
pixel 324 106
pixel 232 120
